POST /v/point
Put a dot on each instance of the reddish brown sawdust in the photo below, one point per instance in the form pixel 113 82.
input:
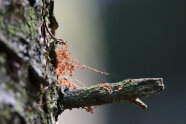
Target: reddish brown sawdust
pixel 89 109
pixel 105 86
pixel 66 66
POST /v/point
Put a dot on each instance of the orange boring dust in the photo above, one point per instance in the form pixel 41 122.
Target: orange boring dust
pixel 66 66
pixel 104 86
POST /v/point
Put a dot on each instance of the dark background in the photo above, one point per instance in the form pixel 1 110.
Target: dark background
pixel 146 38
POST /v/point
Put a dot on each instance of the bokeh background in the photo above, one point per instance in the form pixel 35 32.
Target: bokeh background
pixel 129 39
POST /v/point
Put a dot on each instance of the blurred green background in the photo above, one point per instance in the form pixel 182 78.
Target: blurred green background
pixel 130 39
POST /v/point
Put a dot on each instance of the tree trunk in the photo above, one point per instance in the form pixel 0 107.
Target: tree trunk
pixel 28 83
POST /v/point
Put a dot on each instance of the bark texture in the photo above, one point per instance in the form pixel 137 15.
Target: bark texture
pixel 28 91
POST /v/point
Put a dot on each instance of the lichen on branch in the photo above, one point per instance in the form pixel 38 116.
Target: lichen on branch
pixel 130 90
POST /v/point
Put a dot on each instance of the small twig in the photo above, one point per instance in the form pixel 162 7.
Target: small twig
pixel 53 37
pixel 140 103
pixel 45 25
pixel 130 90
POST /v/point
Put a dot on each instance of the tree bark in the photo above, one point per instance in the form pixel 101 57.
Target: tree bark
pixel 28 84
